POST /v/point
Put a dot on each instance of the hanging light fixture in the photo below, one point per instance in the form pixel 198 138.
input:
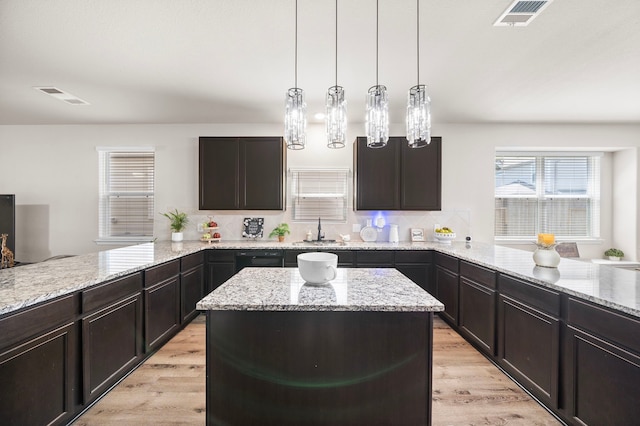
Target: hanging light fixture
pixel 377 125
pixel 419 104
pixel 295 116
pixel 336 108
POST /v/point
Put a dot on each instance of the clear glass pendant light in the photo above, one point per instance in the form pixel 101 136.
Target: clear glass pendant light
pixel 418 104
pixel 295 116
pixel 336 106
pixel 377 125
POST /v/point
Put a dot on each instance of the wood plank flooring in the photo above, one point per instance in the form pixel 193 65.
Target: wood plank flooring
pixel 169 388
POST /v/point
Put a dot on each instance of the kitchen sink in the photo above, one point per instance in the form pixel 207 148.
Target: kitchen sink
pixel 319 243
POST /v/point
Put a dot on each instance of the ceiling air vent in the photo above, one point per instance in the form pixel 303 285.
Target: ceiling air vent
pixel 62 95
pixel 521 13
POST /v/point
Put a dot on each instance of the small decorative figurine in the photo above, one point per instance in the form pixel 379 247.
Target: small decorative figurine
pixel 7 255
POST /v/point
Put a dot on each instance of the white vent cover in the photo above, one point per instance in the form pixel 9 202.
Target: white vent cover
pixel 520 13
pixel 62 95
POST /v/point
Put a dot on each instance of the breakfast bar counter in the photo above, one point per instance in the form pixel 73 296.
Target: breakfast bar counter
pixel 356 350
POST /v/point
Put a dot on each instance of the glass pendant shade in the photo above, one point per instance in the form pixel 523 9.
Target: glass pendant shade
pixel 377 125
pixel 336 117
pixel 295 119
pixel 418 117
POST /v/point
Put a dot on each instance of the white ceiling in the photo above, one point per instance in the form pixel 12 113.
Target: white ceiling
pixel 231 61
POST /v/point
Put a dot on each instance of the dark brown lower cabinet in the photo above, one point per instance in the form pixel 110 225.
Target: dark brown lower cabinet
pixel 417 266
pixel 529 337
pixel 447 293
pixel 221 265
pixel 191 291
pixel 602 355
pixel 477 320
pixel 162 312
pixel 38 379
pixel 111 344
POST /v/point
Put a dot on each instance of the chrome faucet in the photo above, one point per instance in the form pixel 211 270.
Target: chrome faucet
pixel 320 235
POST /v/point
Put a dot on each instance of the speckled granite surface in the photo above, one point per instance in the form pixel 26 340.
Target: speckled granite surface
pixel 30 284
pixel 283 289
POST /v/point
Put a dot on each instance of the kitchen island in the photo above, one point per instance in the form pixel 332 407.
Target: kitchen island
pixel 354 351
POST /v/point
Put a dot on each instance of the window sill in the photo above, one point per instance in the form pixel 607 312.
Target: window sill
pixel 123 240
pixel 558 241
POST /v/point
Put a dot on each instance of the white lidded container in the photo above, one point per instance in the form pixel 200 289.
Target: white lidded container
pixel 393 233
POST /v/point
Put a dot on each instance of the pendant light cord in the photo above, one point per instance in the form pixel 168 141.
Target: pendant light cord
pixel 296 48
pixel 377 14
pixel 336 43
pixel 418 37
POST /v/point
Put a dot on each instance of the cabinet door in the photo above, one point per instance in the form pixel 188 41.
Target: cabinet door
pixel 377 179
pixel 419 274
pixel 261 173
pixel 162 312
pixel 447 293
pixel 421 176
pixel 477 314
pixel 38 379
pixel 218 273
pixel 191 289
pixel 111 344
pixel 219 173
pixel 528 348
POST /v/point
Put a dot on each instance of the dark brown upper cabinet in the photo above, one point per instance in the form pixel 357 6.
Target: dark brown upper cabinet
pixel 397 177
pixel 241 173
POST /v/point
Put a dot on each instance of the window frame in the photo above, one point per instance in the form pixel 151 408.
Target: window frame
pixel 104 194
pixel 593 195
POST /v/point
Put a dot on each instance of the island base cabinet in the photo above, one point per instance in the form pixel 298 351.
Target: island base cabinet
pixel 38 379
pixel 112 344
pixel 318 368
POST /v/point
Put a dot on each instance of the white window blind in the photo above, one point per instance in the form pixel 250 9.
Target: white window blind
pixel 320 193
pixel 547 192
pixel 126 204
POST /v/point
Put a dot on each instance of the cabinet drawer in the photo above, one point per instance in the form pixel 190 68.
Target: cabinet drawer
pixel 446 261
pixel 191 261
pixel 21 326
pixel 608 325
pixel 375 258
pixel 104 294
pixel 221 255
pixel 161 272
pixel 346 258
pixel 545 300
pixel 414 256
pixel 478 274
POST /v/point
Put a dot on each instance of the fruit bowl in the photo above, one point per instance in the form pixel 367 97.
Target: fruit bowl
pixel 445 237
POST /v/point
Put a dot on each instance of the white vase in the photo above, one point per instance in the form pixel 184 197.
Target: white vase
pixel 177 236
pixel 547 257
pixel 614 257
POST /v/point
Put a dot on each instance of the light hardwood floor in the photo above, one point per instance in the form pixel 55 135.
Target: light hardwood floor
pixel 169 388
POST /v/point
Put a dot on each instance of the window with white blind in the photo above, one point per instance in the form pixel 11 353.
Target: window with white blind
pixel 126 194
pixel 547 192
pixel 319 193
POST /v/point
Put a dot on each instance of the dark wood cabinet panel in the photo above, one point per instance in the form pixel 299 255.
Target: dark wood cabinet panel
pixel 191 291
pixel 447 293
pixel 528 348
pixel 421 176
pixel 397 177
pixel 375 258
pixel 241 173
pixel 221 265
pixel 162 312
pixel 417 266
pixel 111 344
pixel 477 320
pixel 39 378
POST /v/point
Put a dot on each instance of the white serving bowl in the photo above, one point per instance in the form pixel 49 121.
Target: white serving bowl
pixel 445 238
pixel 318 267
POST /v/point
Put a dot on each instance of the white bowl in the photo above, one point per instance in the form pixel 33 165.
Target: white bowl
pixel 445 238
pixel 318 267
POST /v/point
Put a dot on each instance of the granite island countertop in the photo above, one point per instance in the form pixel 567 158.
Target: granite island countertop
pixel 354 289
pixel 28 285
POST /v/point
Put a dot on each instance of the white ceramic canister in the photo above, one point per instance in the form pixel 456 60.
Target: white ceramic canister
pixel 393 233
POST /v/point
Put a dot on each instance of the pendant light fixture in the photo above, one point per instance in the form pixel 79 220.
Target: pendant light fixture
pixel 336 108
pixel 377 125
pixel 295 116
pixel 419 104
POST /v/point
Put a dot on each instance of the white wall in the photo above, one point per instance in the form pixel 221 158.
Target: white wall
pixel 53 170
pixel 625 203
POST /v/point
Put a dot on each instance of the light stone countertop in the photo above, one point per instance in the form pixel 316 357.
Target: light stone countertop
pixel 28 285
pixel 354 289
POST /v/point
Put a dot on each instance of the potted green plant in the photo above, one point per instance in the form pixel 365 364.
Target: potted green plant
pixel 280 231
pixel 614 254
pixel 179 221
